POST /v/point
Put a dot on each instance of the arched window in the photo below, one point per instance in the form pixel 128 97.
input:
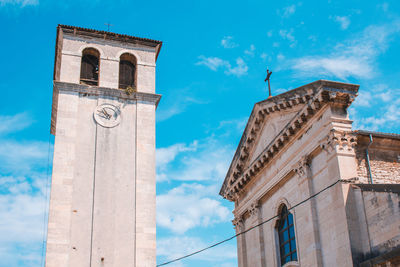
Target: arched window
pixel 90 67
pixel 287 239
pixel 127 71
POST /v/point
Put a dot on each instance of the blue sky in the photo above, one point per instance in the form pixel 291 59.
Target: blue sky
pixel 210 72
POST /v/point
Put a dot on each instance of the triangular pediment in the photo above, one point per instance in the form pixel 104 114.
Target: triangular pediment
pixel 274 122
pixel 271 127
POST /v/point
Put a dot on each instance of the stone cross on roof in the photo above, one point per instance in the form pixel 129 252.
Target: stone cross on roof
pixel 267 79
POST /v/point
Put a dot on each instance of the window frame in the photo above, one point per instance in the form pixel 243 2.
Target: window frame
pixel 285 224
pixel 127 57
pixel 86 53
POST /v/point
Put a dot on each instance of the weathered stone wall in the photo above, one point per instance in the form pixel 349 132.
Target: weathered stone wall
pixel 109 61
pixel 102 204
pixel 383 218
pixel 384 160
pixel 310 164
pixel 374 221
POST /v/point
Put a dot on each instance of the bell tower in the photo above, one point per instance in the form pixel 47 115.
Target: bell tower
pixel 103 190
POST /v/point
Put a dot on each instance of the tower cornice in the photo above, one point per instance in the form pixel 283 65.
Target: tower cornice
pixel 97 91
pixel 106 35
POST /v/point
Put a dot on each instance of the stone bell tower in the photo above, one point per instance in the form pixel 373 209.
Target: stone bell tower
pixel 103 191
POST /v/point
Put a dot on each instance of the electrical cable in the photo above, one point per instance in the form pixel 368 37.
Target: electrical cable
pixel 251 228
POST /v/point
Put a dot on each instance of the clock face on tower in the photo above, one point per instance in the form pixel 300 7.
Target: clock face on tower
pixel 107 115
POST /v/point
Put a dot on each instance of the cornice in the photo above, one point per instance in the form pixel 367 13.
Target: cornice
pixel 105 35
pixel 313 97
pixel 97 91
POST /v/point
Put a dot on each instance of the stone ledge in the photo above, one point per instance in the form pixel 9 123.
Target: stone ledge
pixel 97 91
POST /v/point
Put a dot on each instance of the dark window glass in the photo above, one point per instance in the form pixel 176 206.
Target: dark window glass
pixel 285 235
pixel 90 67
pixel 290 219
pixel 287 240
pixel 291 231
pixel 127 71
pixel 286 248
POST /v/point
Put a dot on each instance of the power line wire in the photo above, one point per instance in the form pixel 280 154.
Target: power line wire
pixel 251 228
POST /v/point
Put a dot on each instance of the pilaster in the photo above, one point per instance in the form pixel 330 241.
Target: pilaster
pixel 256 219
pixel 238 224
pixel 340 145
pixel 309 236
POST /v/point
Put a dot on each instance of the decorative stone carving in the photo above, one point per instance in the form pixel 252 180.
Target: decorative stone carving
pixel 232 196
pixel 254 209
pixel 340 141
pixel 238 223
pixel 300 167
pixel 314 97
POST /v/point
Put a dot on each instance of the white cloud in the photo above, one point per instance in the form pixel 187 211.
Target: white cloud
pixel 166 155
pixel 288 11
pixel 227 42
pixel 237 124
pixel 264 56
pixel 175 247
pixel 386 115
pixel 23 187
pixel 176 104
pixel 354 57
pixel 312 38
pixel 189 206
pixel 250 51
pixel 215 63
pixel 288 35
pixel 22 209
pixel 207 160
pixel 385 96
pixel 21 3
pixel 14 123
pixel 344 21
pixel 363 99
pixel 341 67
pixel 22 156
pixel 240 68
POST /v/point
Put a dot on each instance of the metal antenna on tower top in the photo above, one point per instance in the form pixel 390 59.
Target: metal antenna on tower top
pixel 108 26
pixel 269 85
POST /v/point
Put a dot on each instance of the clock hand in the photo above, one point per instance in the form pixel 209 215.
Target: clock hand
pixel 102 115
pixel 106 113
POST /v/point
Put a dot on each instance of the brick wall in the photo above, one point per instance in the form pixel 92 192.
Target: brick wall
pixel 384 161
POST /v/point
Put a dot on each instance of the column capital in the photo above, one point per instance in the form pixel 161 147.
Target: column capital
pixel 301 166
pixel 254 209
pixel 339 141
pixel 238 223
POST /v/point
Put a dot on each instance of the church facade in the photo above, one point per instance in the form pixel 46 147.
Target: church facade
pixel 103 191
pixel 308 189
